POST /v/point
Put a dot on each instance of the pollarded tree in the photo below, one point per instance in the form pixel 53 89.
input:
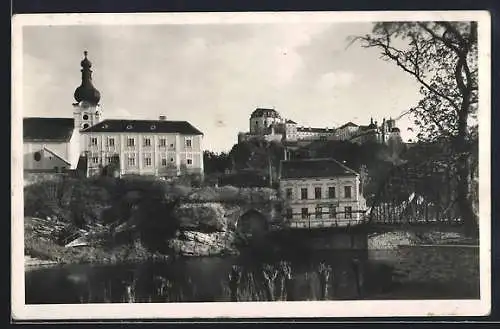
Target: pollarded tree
pixel 443 57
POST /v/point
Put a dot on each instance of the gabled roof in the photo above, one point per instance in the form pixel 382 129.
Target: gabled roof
pixel 47 129
pixel 314 168
pixel 349 124
pixel 291 122
pixel 144 126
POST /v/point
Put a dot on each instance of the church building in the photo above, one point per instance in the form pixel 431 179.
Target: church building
pixel 144 147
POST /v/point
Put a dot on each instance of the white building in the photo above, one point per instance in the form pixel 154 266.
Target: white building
pixel 267 124
pixel 145 147
pixel 320 193
pixel 50 144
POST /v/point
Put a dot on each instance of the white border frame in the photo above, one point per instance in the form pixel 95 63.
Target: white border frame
pixel 397 308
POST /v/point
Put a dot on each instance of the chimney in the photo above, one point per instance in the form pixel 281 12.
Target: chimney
pixel 163 117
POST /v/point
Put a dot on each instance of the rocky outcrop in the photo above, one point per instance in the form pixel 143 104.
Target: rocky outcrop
pixel 193 243
pixel 202 217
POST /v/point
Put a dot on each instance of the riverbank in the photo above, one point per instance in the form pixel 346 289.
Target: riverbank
pixel 39 251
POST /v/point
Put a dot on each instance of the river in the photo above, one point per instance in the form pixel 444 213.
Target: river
pixel 411 272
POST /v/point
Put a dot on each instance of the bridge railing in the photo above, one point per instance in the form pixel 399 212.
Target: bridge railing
pixel 417 193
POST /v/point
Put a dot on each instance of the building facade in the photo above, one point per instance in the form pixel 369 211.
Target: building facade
pixel 267 124
pixel 50 144
pixel 144 147
pixel 320 193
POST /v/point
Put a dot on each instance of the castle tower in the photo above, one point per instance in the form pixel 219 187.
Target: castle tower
pixel 86 110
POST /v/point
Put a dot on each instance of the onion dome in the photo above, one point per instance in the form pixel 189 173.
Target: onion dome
pixel 262 113
pixel 86 92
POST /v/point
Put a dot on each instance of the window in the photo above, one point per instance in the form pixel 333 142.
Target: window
pixel 331 192
pixel 189 162
pixel 37 156
pixel 131 161
pixel 85 125
pixel 317 192
pixel 85 117
pixel 347 191
pixel 93 141
pixel 163 162
pixel 303 193
pixel 305 213
pixel 172 146
pixel 189 143
pixel 171 159
pixel 111 142
pixel 348 212
pixel 163 142
pixel 288 193
pixel 95 159
pixel 319 212
pixel 333 211
pixel 147 160
pixel 130 142
pixel 147 141
pixel 289 213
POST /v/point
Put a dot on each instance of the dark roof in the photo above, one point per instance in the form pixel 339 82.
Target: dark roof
pixel 291 121
pixel 348 124
pixel 309 168
pixel 316 130
pixel 48 129
pixel 260 112
pixel 144 126
pixel 395 129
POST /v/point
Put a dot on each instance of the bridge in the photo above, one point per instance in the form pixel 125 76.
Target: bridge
pixel 414 195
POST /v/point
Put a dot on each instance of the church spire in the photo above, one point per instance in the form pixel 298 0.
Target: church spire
pixel 86 92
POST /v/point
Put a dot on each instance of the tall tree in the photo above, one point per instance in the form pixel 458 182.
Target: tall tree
pixel 443 58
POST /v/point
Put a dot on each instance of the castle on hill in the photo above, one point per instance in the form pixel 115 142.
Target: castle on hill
pixel 268 124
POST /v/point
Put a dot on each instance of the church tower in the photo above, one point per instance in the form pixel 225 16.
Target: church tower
pixel 86 110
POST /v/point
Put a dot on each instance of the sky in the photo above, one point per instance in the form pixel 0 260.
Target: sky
pixel 215 75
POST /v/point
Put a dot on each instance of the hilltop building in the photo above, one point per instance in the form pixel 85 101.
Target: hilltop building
pixel 144 147
pixel 267 124
pixel 320 193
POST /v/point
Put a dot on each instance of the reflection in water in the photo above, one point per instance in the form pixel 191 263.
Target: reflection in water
pixel 331 276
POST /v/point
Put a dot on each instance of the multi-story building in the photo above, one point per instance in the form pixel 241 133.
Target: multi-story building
pixel 267 124
pixel 320 193
pixel 145 147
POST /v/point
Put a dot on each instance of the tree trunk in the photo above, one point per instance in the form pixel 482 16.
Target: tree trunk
pixel 464 198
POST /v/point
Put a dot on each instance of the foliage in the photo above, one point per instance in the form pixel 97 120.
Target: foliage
pixel 257 155
pixel 442 57
pixel 216 162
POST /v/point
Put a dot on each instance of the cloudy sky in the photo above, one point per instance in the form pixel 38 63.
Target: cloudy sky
pixel 214 76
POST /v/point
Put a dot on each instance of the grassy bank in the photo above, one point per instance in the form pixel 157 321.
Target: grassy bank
pixel 48 250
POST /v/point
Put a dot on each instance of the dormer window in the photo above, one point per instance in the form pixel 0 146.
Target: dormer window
pixel 129 127
pixel 85 117
pixel 153 127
